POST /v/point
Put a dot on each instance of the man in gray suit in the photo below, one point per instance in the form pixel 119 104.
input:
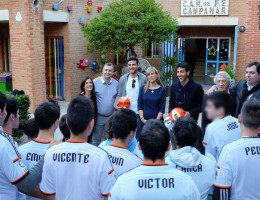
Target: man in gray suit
pixel 130 84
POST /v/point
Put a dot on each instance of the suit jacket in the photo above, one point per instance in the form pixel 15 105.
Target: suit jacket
pixel 123 81
pixel 238 90
pixel 232 111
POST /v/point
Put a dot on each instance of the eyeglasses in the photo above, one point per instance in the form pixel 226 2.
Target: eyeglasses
pixel 133 83
pixel 180 98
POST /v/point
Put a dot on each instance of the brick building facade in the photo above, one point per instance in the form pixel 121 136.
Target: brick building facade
pixel 43 35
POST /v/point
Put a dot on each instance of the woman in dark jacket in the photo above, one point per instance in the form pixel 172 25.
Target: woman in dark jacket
pixel 88 90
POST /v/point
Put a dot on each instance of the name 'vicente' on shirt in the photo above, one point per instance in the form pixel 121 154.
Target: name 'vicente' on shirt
pixel 71 157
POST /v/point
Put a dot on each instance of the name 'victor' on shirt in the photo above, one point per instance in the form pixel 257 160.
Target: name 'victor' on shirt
pixel 71 157
pixel 156 183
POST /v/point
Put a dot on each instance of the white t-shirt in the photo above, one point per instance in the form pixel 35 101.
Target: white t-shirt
pixel 202 168
pixel 132 93
pixel 12 168
pixel 122 159
pixel 135 150
pixel 219 133
pixel 153 182
pixel 77 170
pixel 31 153
pixel 238 169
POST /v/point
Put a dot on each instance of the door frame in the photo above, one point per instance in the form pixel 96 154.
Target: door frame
pixel 181 58
pixel 59 62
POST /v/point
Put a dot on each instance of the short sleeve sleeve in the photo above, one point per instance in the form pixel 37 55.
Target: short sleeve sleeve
pixel 11 164
pixel 107 177
pixel 115 193
pixel 47 185
pixel 209 143
pixel 224 171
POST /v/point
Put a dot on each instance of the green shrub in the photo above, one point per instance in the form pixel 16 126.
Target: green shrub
pixel 24 105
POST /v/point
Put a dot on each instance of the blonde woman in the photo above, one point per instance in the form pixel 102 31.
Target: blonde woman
pixel 152 99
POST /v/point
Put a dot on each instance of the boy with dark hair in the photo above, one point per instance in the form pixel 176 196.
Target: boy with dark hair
pixel 13 172
pixel 224 128
pixel 64 128
pixel 124 128
pixel 154 179
pixel 47 118
pixel 90 171
pixel 238 175
pixel 12 116
pixel 186 93
pixel 31 129
pixel 190 156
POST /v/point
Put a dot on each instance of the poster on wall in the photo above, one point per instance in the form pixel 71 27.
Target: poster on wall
pixel 204 7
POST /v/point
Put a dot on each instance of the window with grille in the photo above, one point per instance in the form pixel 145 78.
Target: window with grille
pixel 153 50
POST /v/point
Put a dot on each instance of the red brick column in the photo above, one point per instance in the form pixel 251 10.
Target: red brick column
pixel 27 50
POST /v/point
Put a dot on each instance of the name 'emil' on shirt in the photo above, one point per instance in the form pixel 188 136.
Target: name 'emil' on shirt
pixel 71 157
pixel 33 156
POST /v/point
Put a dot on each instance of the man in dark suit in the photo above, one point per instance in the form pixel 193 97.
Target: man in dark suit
pixel 245 89
pixel 186 93
pixel 223 83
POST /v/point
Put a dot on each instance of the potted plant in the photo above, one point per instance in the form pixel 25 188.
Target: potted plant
pixel 170 65
pixel 229 70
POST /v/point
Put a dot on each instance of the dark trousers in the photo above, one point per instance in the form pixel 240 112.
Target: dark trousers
pixel 139 127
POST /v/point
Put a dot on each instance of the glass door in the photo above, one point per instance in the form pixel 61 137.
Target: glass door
pixel 181 50
pixel 217 53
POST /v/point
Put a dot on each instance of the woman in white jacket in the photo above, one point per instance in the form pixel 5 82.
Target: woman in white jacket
pixel 190 156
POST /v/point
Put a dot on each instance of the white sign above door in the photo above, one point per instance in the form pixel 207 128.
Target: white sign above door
pixel 204 7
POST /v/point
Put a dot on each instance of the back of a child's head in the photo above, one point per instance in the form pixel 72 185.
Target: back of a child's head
pixel 46 114
pixel 186 132
pixel 80 113
pixel 12 107
pixel 124 122
pixel 31 129
pixel 64 128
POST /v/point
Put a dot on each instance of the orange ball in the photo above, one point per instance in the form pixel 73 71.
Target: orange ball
pixel 123 102
pixel 176 113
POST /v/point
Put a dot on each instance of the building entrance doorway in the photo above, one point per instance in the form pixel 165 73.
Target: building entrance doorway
pixel 205 56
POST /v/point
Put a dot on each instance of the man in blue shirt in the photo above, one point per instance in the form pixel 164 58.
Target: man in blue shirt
pixel 106 89
pixel 186 93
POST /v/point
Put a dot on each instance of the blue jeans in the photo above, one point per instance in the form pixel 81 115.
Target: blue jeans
pixel 99 130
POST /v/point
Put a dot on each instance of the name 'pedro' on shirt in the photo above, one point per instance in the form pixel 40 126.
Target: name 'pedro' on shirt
pixel 71 157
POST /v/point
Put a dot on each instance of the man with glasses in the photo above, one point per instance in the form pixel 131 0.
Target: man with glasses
pixel 130 84
pixel 186 93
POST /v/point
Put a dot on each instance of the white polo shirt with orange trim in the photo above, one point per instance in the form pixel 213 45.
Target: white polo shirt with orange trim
pixel 31 153
pixel 219 133
pixel 12 168
pixel 238 169
pixel 154 181
pixel 122 159
pixel 77 170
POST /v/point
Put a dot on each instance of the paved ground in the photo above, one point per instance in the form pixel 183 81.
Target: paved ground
pixel 64 106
